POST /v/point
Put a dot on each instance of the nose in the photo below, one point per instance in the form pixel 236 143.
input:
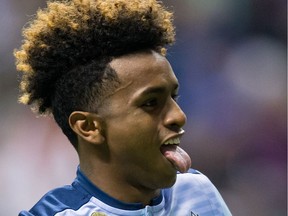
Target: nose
pixel 175 118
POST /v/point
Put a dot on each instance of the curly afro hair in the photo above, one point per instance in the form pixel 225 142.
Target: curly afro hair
pixel 67 48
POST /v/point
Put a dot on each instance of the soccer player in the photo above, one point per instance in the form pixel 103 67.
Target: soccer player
pixel 99 67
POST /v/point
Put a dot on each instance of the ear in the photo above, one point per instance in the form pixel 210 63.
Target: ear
pixel 87 126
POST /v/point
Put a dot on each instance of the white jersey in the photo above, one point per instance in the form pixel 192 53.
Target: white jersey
pixel 192 195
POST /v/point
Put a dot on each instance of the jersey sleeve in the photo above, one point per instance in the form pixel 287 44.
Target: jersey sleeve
pixel 212 194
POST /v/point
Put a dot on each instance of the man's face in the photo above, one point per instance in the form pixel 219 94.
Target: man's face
pixel 139 117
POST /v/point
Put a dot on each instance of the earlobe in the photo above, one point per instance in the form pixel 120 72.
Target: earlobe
pixel 87 126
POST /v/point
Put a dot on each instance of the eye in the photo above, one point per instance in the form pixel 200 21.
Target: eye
pixel 153 102
pixel 175 97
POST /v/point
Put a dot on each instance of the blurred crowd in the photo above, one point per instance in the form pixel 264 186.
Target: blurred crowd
pixel 231 61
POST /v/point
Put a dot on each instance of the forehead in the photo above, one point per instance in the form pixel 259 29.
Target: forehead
pixel 143 69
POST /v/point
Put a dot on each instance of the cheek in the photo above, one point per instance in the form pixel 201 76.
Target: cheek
pixel 133 132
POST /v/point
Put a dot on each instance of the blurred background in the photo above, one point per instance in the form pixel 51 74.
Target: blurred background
pixel 231 61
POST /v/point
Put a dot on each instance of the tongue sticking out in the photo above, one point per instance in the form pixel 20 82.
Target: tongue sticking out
pixel 177 156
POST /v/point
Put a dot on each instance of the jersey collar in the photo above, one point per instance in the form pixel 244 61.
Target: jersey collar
pixel 96 192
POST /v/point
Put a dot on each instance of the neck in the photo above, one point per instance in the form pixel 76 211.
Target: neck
pixel 108 178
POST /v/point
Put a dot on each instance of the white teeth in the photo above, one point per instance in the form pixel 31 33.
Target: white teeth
pixel 181 131
pixel 172 141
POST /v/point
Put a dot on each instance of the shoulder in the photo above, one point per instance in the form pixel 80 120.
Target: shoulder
pixel 59 199
pixel 194 181
pixel 195 187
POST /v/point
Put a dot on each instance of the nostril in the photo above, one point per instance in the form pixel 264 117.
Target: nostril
pixel 175 127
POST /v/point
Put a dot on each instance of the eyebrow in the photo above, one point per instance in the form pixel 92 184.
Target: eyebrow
pixel 157 89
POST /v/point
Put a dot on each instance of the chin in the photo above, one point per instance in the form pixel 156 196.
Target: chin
pixel 171 184
pixel 170 180
pixel 163 181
